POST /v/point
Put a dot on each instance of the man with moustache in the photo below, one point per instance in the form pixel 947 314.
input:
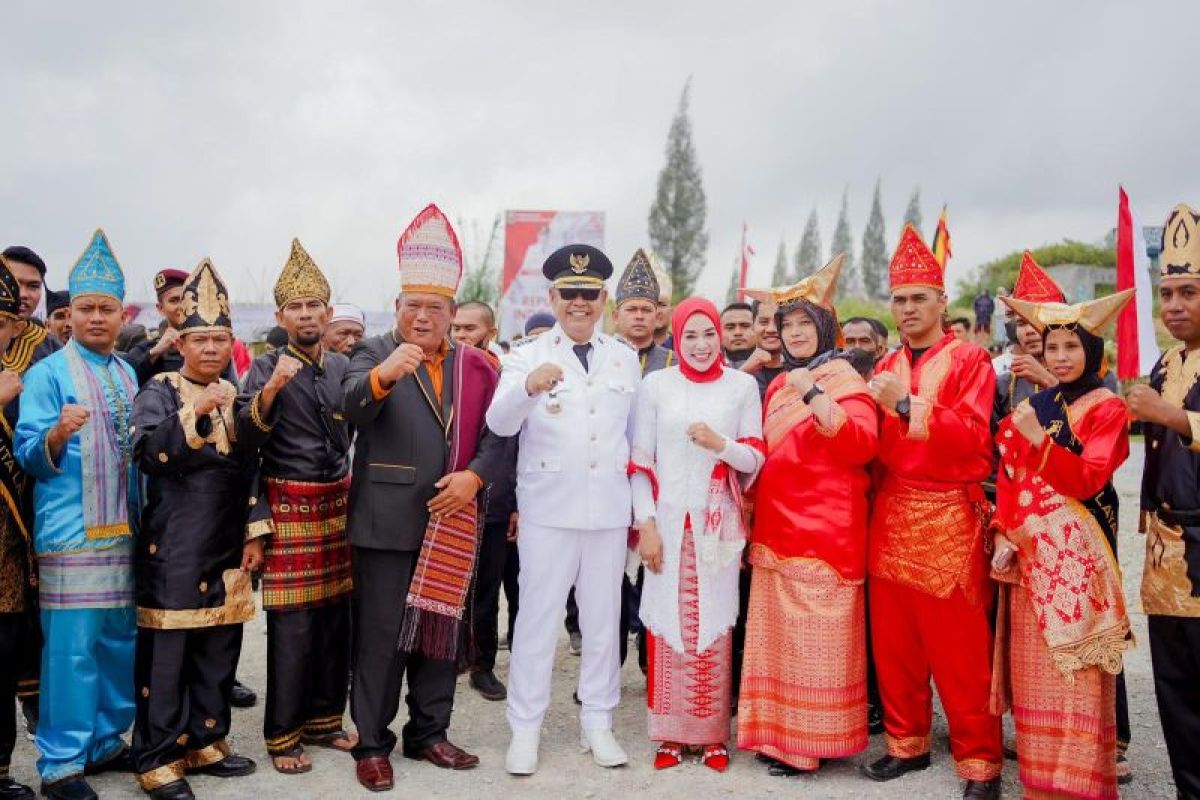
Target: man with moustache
pixel 570 395
pixel 930 591
pixel 422 459
pixel 58 314
pixel 290 411
pixel 866 334
pixel 475 326
pixel 194 553
pixel 738 338
pixel 1170 410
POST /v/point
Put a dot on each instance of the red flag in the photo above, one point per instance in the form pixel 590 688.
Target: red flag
pixel 746 252
pixel 1137 348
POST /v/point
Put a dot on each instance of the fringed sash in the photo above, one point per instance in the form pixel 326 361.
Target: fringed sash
pixel 110 497
pixel 1065 559
pixel 441 582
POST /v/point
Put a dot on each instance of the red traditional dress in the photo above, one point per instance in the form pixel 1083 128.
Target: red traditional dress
pixel 804 681
pixel 931 596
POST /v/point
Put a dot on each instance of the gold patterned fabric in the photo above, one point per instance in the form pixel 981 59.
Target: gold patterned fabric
pixel 301 277
pixel 237 608
pixel 224 422
pixel 1166 588
pixel 1180 257
pixel 205 301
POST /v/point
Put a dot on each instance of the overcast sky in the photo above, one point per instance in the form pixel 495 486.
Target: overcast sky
pixel 224 129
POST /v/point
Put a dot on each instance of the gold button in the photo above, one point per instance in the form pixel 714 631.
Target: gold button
pixel 253 501
pixel 182 740
pixel 145 691
pixel 153 549
pixel 162 457
pixel 132 428
pixel 1166 506
pixel 204 586
pixel 210 723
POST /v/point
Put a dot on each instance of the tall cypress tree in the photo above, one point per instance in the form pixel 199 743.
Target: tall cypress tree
pixel 912 214
pixel 780 275
pixel 678 213
pixel 843 242
pixel 874 251
pixel 808 256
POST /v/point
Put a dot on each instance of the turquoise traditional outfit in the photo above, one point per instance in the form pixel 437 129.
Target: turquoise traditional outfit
pixel 85 502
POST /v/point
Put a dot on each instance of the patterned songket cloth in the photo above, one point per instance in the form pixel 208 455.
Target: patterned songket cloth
pixel 308 556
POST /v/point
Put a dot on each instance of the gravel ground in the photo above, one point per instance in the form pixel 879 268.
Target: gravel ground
pixel 479 726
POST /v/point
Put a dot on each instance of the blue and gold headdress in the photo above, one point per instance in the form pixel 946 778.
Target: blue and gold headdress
pixel 97 271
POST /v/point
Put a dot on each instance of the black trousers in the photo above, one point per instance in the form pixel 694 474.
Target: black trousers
pixel 10 643
pixel 1175 654
pixel 182 680
pixel 29 655
pixel 739 630
pixel 512 590
pixel 381 579
pixel 489 575
pixel 308 669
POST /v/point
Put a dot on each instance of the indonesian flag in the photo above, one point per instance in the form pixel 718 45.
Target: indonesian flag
pixel 941 240
pixel 1137 349
pixel 744 266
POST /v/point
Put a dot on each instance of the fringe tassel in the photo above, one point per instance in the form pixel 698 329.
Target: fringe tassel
pixel 431 634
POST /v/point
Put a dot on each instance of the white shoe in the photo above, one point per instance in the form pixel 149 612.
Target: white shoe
pixel 605 749
pixel 522 758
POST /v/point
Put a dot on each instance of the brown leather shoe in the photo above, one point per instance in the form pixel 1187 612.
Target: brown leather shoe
pixel 444 755
pixel 375 773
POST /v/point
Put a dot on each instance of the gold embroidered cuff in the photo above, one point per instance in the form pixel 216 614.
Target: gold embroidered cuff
pixel 187 419
pixel 976 769
pixel 238 608
pixel 160 777
pixel 839 419
pixel 918 417
pixel 261 527
pixel 1194 424
pixel 256 415
pixel 50 458
pixel 907 747
pixel 208 755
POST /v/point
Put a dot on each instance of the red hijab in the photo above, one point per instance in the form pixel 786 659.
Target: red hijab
pixel 683 312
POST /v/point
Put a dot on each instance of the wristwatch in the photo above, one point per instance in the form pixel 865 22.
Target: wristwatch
pixel 812 393
pixel 904 407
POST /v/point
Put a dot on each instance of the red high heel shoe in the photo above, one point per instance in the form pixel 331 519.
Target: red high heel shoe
pixel 716 757
pixel 669 754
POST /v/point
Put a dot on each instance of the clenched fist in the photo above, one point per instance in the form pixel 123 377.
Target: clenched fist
pixel 285 369
pixel 1025 420
pixel 757 360
pixel 72 418
pixel 888 389
pixel 543 379
pixel 1029 368
pixel 168 340
pixel 10 386
pixel 704 436
pixel 403 361
pixel 215 395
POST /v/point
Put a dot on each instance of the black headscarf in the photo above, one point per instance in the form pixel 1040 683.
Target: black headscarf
pixel 1093 362
pixel 825 323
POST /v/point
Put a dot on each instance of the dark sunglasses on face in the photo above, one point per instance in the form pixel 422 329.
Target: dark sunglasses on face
pixel 590 295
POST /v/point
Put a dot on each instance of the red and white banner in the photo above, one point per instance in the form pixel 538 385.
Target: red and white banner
pixel 1137 348
pixel 529 237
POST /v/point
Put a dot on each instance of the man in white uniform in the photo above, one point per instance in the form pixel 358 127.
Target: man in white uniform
pixel 570 394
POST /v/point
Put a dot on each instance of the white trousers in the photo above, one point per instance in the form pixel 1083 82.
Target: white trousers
pixel 552 561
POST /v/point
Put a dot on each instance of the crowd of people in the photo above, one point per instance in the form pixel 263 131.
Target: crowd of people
pixel 801 530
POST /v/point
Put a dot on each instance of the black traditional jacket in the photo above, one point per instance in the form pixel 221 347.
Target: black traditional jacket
pixel 1171 494
pixel 200 487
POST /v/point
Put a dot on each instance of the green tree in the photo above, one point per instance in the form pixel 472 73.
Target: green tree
pixel 912 214
pixel 874 251
pixel 779 276
pixel 808 255
pixel 1003 271
pixel 678 213
pixel 480 284
pixel 843 242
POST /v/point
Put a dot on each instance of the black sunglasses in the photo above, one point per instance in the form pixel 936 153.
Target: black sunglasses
pixel 590 295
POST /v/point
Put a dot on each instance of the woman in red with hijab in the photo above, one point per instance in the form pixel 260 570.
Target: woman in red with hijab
pixel 804 681
pixel 696 445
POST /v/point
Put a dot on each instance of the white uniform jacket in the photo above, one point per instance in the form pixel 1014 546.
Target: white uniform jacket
pixel 574 442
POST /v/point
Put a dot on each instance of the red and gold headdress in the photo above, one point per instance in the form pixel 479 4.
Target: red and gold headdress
pixel 1034 285
pixel 914 264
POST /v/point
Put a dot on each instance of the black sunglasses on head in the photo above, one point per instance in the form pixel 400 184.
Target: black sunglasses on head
pixel 590 295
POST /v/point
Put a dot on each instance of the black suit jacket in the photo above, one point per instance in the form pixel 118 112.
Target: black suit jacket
pixel 402 448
